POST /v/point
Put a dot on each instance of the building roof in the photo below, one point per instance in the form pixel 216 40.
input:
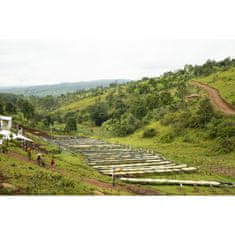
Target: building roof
pixel 5 118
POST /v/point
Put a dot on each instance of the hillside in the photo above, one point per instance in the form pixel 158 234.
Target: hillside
pixel 224 82
pixel 58 89
pixel 71 176
pixel 167 115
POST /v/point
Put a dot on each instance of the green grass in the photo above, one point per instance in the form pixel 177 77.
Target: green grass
pixel 78 104
pixel 68 179
pixel 224 82
pixel 194 149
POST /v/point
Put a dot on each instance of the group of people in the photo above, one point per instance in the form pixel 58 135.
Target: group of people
pixel 40 159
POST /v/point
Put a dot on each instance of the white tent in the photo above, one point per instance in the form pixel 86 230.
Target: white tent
pixel 5 119
pixel 5 130
pixel 7 135
pixel 21 137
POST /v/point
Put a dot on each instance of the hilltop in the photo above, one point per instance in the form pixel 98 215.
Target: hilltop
pixel 58 89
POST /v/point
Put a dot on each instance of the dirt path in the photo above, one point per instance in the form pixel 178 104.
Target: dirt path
pixel 135 189
pixel 19 157
pixel 128 188
pixel 216 99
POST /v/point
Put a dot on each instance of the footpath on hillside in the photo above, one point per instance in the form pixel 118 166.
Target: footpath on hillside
pixel 216 99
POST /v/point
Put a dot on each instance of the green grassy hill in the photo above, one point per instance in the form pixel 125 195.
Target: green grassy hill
pixel 224 82
pixel 71 175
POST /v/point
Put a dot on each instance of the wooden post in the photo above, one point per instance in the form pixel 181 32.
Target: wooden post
pixel 113 176
pixel 51 129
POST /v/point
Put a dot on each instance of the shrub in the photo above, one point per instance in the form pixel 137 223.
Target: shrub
pixel 188 139
pixel 55 150
pixel 159 113
pixel 221 128
pixel 167 138
pixel 71 125
pixel 98 113
pixel 225 145
pixel 151 132
pixel 127 125
pixel 168 119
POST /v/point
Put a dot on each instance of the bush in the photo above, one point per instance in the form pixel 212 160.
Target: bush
pixel 221 128
pixel 167 138
pixel 168 119
pixel 98 113
pixel 188 139
pixel 55 150
pixel 149 133
pixel 127 125
pixel 159 113
pixel 71 125
pixel 225 145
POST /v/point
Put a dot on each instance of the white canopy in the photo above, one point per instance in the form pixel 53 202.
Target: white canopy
pixel 21 137
pixel 5 118
pixel 8 134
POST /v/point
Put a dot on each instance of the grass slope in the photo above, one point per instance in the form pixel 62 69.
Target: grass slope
pixel 69 178
pixel 194 150
pixel 224 82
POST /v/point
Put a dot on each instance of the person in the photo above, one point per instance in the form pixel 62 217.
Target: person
pixel 29 151
pixel 52 164
pixel 39 160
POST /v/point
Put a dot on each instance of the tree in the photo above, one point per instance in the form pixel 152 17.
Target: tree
pixel 71 124
pixel 166 98
pixel 205 112
pixel 1 109
pixel 181 90
pixel 27 109
pixel 127 125
pixel 10 108
pixel 49 102
pixel 98 113
pixel 138 108
pixel 48 121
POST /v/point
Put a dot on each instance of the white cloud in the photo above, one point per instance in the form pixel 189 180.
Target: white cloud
pixel 30 62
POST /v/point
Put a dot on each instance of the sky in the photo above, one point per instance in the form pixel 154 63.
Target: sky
pixel 49 61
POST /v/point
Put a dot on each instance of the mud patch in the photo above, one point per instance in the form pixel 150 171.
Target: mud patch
pixel 134 189
pixel 226 171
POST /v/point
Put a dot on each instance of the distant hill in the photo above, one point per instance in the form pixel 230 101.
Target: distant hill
pixel 58 89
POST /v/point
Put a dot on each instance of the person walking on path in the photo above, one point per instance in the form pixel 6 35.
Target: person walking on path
pixel 52 164
pixel 39 160
pixel 29 151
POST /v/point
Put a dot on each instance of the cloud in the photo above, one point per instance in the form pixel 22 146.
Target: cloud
pixel 30 62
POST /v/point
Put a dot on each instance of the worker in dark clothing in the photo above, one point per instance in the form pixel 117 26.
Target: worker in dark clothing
pixel 39 160
pixel 52 164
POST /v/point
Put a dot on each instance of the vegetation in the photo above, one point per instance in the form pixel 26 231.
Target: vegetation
pixel 59 89
pixel 224 82
pixel 159 113
pixel 69 176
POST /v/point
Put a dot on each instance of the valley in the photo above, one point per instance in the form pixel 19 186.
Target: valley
pixel 176 131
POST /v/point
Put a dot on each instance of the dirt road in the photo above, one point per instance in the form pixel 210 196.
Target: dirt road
pixel 219 103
